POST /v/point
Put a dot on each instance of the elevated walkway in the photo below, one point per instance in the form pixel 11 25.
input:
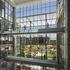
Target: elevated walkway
pixel 35 31
pixel 32 61
pixel 51 30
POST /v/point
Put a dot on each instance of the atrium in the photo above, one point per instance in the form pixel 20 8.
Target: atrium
pixel 34 35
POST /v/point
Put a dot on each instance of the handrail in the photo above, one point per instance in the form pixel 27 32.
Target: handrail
pixel 38 31
pixel 27 28
pixel 45 63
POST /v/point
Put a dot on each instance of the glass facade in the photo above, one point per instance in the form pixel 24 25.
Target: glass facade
pixel 30 19
pixel 39 8
pixel 7 16
pixel 36 35
pixel 6 22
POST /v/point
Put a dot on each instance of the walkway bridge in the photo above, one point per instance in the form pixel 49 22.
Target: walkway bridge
pixel 35 30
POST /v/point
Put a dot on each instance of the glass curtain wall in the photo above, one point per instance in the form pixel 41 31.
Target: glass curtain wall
pixel 6 21
pixel 30 19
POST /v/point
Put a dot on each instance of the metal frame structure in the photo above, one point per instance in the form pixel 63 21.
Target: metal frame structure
pixel 22 26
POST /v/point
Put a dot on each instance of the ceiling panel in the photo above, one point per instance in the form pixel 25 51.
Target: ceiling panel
pixel 25 2
pixel 20 1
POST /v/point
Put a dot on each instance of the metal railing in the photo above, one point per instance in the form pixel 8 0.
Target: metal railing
pixel 33 28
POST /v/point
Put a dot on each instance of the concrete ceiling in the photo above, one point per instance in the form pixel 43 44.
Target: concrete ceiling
pixel 25 2
pixel 17 2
